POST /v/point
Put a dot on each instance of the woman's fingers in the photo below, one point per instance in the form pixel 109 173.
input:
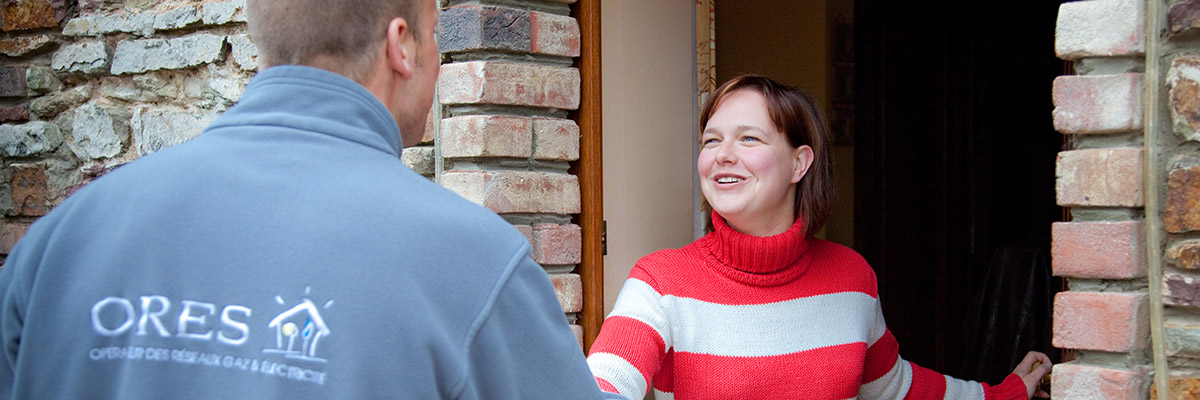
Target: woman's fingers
pixel 1032 369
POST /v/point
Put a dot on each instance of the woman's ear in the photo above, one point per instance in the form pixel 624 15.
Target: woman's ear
pixel 803 160
pixel 399 48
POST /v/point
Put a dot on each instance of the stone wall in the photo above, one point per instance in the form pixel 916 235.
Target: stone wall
pixel 1131 177
pixel 88 85
pixel 1179 171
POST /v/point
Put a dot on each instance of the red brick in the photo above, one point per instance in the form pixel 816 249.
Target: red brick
pixel 1185 254
pixel 578 330
pixel 555 244
pixel 526 230
pixel 1100 29
pixel 12 233
pixel 1181 213
pixel 509 83
pixel 1099 250
pixel 476 27
pixel 487 136
pixel 1113 322
pixel 1110 177
pixel 1075 381
pixel 556 35
pixel 555 139
pixel 517 191
pixel 1098 104
pixel 29 14
pixel 430 119
pixel 1181 289
pixel 569 289
pixel 29 190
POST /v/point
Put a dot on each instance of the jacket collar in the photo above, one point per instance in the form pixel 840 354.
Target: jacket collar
pixel 316 100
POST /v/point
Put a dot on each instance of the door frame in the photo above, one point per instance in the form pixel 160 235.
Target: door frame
pixel 589 169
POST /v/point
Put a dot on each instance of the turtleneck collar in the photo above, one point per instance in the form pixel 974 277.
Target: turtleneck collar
pixel 757 260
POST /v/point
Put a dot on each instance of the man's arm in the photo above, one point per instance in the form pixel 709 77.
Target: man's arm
pixel 11 317
pixel 523 348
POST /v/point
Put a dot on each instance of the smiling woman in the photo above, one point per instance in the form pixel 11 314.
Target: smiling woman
pixel 751 166
pixel 759 307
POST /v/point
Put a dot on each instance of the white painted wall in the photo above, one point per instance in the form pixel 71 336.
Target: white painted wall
pixel 649 80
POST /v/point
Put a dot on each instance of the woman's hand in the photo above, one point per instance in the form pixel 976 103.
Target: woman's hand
pixel 1033 376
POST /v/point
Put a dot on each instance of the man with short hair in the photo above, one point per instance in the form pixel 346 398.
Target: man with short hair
pixel 286 252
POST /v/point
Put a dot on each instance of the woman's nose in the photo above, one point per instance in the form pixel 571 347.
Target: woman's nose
pixel 725 153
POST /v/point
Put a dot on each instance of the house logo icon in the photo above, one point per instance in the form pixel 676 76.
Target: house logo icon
pixel 299 329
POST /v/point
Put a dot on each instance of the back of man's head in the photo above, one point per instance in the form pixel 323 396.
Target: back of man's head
pixel 342 36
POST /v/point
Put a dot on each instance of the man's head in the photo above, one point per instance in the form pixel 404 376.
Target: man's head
pixel 342 36
pixel 385 45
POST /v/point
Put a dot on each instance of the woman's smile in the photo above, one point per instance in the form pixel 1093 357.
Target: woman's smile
pixel 750 169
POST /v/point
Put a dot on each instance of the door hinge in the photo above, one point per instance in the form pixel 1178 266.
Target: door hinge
pixel 603 238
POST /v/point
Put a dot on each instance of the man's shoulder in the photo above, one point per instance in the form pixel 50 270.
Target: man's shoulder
pixel 441 208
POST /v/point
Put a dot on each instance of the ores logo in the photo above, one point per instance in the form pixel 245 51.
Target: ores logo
pixel 299 329
pixel 294 333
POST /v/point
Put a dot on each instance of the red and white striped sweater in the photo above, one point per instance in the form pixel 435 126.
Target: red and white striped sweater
pixel 733 316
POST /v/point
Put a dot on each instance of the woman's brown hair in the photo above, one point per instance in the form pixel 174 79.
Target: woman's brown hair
pixel 797 116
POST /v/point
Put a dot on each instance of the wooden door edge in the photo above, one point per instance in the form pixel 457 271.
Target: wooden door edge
pixel 589 169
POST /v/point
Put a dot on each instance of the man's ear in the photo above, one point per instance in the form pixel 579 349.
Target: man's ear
pixel 400 50
pixel 803 160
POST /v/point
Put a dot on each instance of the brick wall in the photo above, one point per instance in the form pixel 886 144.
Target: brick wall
pixel 88 85
pixel 1106 249
pixel 505 90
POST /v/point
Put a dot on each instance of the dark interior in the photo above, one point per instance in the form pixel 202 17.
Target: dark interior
pixel 954 177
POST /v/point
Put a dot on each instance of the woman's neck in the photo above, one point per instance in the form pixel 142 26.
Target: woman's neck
pixel 761 225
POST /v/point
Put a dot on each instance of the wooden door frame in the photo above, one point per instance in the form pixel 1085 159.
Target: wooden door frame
pixel 589 169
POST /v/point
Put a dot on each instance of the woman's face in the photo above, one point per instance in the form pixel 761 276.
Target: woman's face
pixel 748 170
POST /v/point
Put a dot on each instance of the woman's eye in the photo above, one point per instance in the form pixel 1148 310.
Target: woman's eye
pixel 750 139
pixel 708 141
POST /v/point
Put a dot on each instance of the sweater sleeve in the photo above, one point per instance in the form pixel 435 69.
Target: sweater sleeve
pixel 633 340
pixel 13 290
pixel 16 277
pixel 887 376
pixel 10 328
pixel 522 347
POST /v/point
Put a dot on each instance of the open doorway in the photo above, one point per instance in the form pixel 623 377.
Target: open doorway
pixel 944 163
pixel 807 44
